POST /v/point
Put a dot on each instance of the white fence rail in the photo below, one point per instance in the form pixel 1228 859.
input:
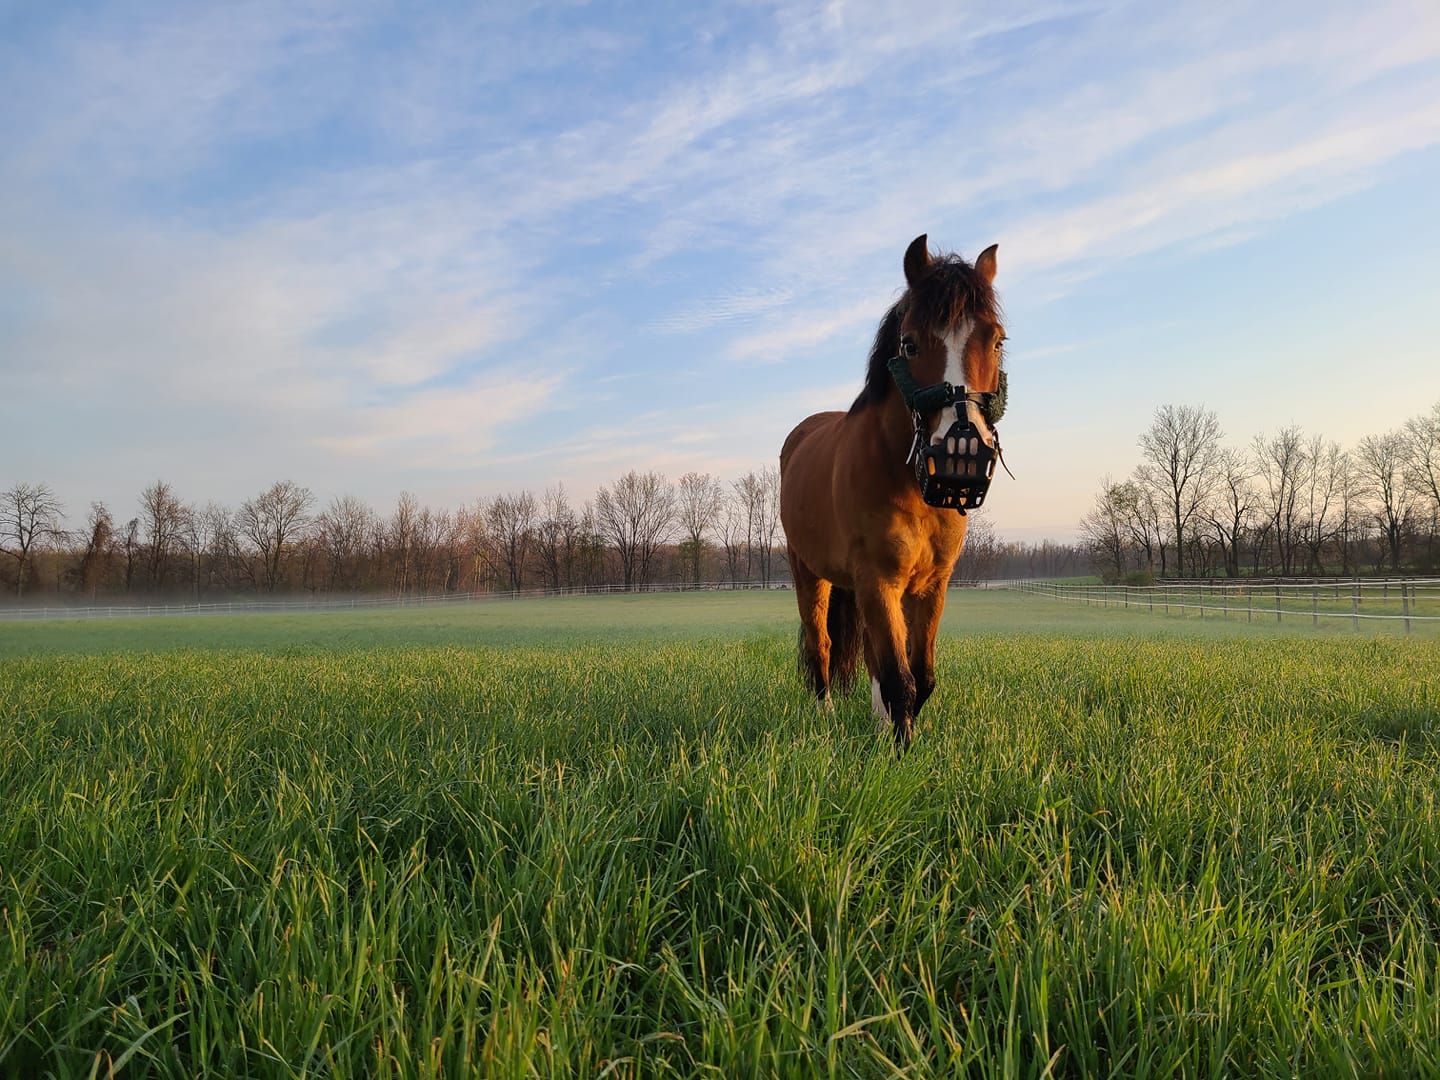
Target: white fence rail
pixel 350 603
pixel 1394 601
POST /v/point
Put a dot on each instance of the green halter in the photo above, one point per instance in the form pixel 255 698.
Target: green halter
pixel 941 395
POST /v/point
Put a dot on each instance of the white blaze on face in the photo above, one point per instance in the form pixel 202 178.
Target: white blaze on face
pixel 955 344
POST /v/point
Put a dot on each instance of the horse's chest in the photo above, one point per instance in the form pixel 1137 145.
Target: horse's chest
pixel 923 546
pixel 942 545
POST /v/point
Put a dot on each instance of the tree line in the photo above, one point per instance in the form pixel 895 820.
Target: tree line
pixel 1286 502
pixel 642 529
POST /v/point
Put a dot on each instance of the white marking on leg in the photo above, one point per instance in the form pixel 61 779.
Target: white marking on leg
pixel 877 706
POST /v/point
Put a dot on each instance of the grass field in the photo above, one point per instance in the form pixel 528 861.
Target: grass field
pixel 571 836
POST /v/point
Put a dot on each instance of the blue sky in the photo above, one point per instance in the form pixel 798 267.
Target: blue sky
pixel 461 250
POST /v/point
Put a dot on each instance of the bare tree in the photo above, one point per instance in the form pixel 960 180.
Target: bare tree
pixel 1422 468
pixel 590 548
pixel 1324 465
pixel 699 501
pixel 479 548
pixel 221 560
pixel 980 557
pixel 94 564
pixel 636 516
pixel 512 529
pixel 1350 528
pixel 1280 462
pixel 1422 455
pixel 1181 447
pixel 1231 510
pixel 450 549
pixel 1380 460
pixel 1144 517
pixel 277 517
pixel 190 544
pixel 162 517
pixel 750 499
pixel 432 529
pixel 29 516
pixel 733 532
pixel 397 541
pixel 555 538
pixel 134 549
pixel 1104 528
pixel 344 530
pixel 768 523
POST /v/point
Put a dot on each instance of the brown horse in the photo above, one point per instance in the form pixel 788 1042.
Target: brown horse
pixel 871 558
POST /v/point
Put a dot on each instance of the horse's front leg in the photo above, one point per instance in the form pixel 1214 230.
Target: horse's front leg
pixel 884 614
pixel 922 620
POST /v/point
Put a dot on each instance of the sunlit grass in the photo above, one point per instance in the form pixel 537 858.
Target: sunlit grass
pixel 1107 853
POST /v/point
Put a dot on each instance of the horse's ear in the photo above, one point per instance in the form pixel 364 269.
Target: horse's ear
pixel 917 259
pixel 985 264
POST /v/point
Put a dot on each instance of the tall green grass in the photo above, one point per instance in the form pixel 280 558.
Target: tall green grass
pixel 1107 854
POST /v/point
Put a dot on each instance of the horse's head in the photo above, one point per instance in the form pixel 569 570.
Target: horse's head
pixel 938 352
pixel 950 322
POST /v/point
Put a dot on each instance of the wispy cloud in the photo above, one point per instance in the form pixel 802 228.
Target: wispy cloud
pixel 366 236
pixel 742 305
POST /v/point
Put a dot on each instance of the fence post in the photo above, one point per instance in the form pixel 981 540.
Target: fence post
pixel 1355 606
pixel 1405 605
pixel 1277 604
pixel 1314 606
pixel 1249 603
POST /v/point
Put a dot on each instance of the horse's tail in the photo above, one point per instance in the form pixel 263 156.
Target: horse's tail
pixel 846 631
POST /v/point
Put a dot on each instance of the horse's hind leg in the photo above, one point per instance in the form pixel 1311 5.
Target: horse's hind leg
pixel 812 593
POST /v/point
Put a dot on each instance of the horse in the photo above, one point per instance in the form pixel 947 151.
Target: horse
pixel 873 526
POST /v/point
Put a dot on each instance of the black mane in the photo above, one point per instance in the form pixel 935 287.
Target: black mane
pixel 950 291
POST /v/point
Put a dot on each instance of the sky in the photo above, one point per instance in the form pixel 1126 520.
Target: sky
pixel 464 249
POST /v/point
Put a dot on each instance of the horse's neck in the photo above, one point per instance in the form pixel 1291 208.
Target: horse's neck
pixel 897 428
pixel 890 437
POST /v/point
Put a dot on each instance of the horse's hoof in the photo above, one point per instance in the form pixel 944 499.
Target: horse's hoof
pixel 904 735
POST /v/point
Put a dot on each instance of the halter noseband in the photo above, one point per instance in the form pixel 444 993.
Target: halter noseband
pixel 954 473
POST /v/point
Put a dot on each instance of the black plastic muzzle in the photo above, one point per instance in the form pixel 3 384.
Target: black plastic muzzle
pixel 955 472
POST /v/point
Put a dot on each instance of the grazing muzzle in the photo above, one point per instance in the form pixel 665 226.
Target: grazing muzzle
pixel 955 471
